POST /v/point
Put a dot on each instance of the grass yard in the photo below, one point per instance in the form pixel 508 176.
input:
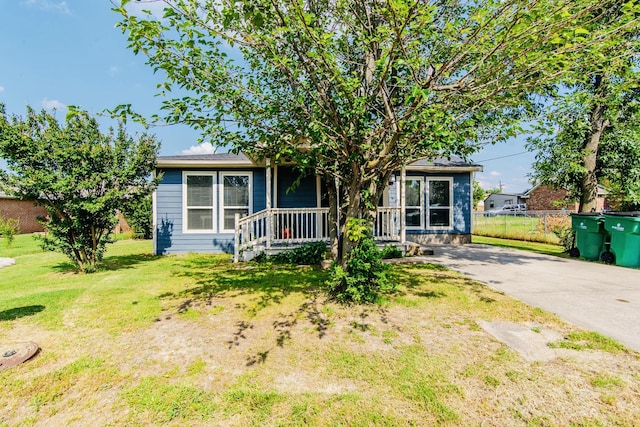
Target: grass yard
pixel 524 245
pixel 196 340
pixel 524 227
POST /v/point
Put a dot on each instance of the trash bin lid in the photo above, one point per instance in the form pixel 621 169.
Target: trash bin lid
pixel 631 214
pixel 585 214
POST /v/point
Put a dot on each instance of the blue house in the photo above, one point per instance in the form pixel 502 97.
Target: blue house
pixel 232 204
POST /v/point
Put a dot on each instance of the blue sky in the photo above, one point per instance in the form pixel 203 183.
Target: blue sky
pixel 56 53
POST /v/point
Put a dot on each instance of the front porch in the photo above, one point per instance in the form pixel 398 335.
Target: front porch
pixel 276 229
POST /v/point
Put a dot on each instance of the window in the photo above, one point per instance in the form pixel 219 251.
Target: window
pixel 413 202
pixel 235 197
pixel 199 203
pixel 439 209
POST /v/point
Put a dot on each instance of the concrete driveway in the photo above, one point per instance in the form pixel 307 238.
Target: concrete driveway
pixel 597 297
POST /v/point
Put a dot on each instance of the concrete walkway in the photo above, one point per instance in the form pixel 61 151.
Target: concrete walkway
pixel 594 296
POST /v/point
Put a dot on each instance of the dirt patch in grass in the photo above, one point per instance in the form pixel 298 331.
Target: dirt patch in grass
pixel 262 345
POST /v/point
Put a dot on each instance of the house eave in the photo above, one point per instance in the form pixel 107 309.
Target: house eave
pixel 167 164
pixel 444 169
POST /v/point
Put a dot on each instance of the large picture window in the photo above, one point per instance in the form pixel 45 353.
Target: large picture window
pixel 235 197
pixel 200 202
pixel 439 207
pixel 413 202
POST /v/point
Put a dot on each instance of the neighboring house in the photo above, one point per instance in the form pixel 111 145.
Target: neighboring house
pixel 498 200
pixel 544 197
pixel 24 211
pixel 230 203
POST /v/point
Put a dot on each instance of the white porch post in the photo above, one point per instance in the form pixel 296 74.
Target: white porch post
pixel 268 204
pixel 403 207
pixel 236 242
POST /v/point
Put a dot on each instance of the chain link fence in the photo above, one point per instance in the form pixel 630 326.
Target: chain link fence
pixel 535 226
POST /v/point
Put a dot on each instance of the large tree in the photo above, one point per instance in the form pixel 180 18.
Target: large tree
pixel 355 89
pixel 81 176
pixel 589 133
pixel 591 136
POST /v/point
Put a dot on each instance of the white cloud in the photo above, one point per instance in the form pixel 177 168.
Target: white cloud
pixel 52 104
pixel 1 89
pixel 47 5
pixel 114 69
pixel 495 173
pixel 204 148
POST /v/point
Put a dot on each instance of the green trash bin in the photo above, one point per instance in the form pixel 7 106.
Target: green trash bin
pixel 590 235
pixel 624 228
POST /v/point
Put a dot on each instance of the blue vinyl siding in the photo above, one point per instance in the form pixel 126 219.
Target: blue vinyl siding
pixel 304 196
pixel 170 238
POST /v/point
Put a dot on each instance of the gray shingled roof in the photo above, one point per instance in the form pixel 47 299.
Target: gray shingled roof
pixel 216 157
pixel 443 161
pixel 230 157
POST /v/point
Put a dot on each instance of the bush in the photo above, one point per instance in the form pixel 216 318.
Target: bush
pixel 560 225
pixel 364 277
pixel 390 251
pixel 139 215
pixel 308 254
pixel 8 229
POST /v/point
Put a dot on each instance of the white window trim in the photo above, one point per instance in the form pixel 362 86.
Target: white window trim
pixel 214 204
pixel 221 197
pixel 422 202
pixel 428 206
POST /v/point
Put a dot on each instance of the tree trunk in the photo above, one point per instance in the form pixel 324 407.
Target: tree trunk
pixel 589 181
pixel 345 202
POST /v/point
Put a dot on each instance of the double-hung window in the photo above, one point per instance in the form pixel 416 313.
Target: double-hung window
pixel 413 202
pixel 200 201
pixel 235 197
pixel 440 203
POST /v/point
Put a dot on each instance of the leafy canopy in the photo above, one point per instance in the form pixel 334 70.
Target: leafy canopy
pixel 78 174
pixel 355 88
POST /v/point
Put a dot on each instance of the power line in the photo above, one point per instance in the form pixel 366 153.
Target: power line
pixel 502 157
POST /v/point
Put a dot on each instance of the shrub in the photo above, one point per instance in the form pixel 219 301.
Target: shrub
pixel 560 225
pixel 364 276
pixel 8 229
pixel 390 251
pixel 307 254
pixel 139 215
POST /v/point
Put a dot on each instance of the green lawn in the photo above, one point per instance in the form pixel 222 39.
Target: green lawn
pixel 524 245
pixel 198 340
pixel 525 227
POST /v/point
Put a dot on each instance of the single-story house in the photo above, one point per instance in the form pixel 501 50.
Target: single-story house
pixel 24 211
pixel 230 203
pixel 498 200
pixel 544 197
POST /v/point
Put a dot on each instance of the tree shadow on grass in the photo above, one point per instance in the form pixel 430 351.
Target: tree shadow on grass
pixel 215 277
pixel 110 263
pixel 18 312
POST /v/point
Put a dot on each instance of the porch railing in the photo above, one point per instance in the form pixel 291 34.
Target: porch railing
pixel 279 226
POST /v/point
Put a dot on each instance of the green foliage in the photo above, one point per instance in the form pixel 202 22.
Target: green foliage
pixel 364 276
pixel 307 254
pixel 78 174
pixel 478 194
pixel 8 229
pixel 590 132
pixel 390 251
pixel 356 99
pixel 139 215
